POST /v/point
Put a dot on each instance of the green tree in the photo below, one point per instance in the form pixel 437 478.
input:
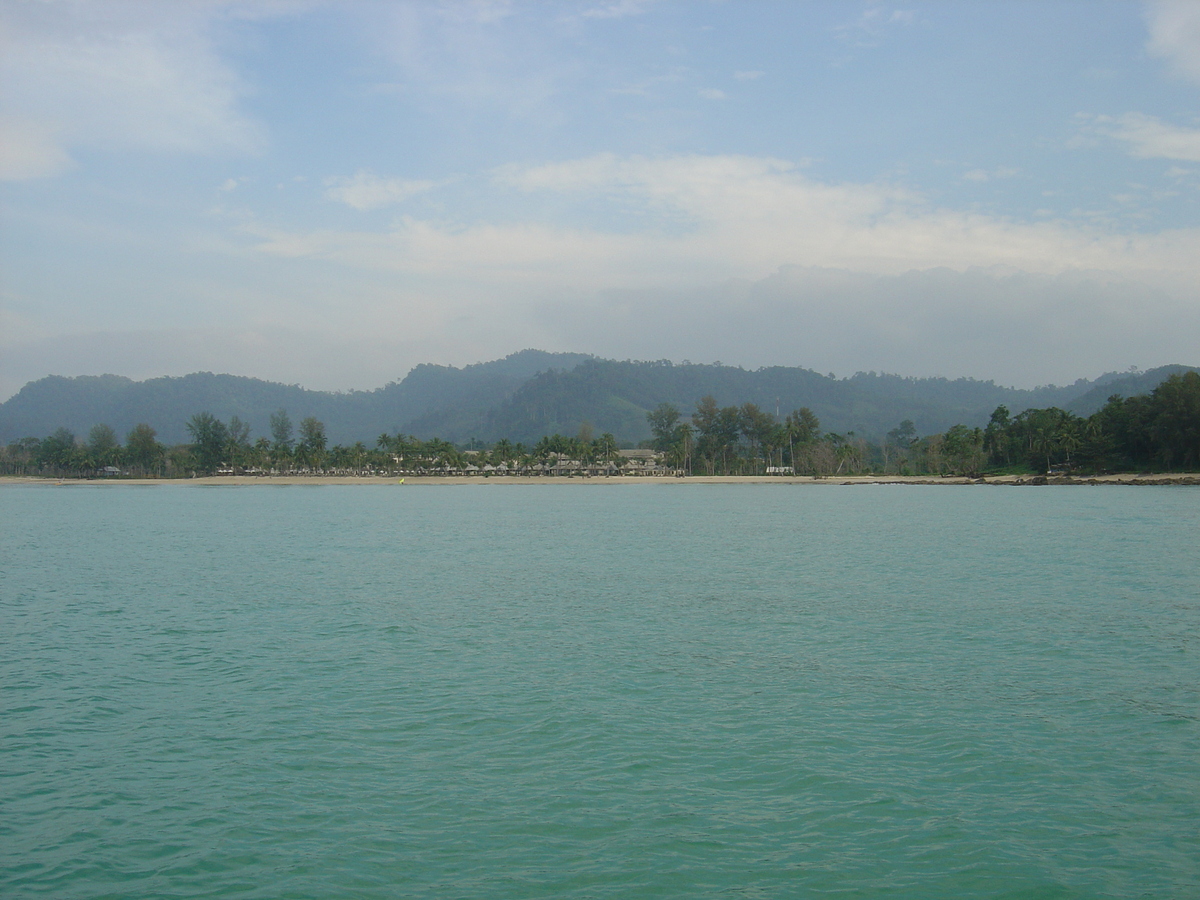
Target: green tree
pixel 238 442
pixel 281 435
pixel 996 438
pixel 606 448
pixel 962 448
pixel 503 452
pixel 57 452
pixel 311 449
pixel 663 419
pixel 847 452
pixel 1174 425
pixel 756 426
pixel 903 435
pixel 260 453
pixel 803 429
pixel 103 447
pixel 682 444
pixel 20 456
pixel 898 443
pixel 210 440
pixel 718 429
pixel 142 452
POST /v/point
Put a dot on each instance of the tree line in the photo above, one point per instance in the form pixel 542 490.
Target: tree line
pixel 216 446
pixel 219 447
pixel 1159 431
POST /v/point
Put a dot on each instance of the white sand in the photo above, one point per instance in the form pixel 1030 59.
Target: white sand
pixel 419 480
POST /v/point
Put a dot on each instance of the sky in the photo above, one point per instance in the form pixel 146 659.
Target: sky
pixel 330 193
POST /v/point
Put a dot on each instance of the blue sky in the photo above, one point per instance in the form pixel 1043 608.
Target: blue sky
pixel 330 193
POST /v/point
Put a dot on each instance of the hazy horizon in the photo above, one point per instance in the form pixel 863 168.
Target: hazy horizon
pixel 329 194
pixel 836 375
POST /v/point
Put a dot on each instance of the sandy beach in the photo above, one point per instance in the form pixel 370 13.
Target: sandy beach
pixel 1175 478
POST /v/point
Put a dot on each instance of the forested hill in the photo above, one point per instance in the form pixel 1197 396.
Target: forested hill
pixel 1125 384
pixel 532 393
pixel 167 403
pixel 615 396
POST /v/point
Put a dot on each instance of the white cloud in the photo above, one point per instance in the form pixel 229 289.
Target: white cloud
pixel 752 75
pixel 477 12
pixel 30 149
pixel 1175 34
pixel 982 175
pixel 743 259
pixel 364 190
pixel 116 75
pixel 712 94
pixel 1152 138
pixel 619 9
pixel 873 21
pixel 690 220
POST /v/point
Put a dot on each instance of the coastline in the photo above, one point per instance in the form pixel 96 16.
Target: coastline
pixel 1171 478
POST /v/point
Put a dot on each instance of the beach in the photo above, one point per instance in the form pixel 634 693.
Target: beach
pixel 1170 478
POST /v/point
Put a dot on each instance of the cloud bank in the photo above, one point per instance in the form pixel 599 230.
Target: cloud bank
pixel 1174 27
pixel 690 220
pixel 115 75
pixel 630 184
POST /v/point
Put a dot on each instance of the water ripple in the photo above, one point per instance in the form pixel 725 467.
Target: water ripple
pixel 732 691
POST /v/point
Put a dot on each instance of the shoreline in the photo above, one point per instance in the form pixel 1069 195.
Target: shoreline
pixel 1171 478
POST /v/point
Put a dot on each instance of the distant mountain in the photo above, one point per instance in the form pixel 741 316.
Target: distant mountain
pixel 614 396
pixel 1127 384
pixel 167 403
pixel 533 393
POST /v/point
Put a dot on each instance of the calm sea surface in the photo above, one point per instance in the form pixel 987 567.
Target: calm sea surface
pixel 599 691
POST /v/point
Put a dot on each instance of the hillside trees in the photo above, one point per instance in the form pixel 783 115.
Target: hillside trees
pixel 103 448
pixel 61 454
pixel 717 434
pixel 758 428
pixel 237 447
pixel 1159 431
pixel 143 454
pixel 1175 421
pixel 962 448
pixel 663 419
pixel 310 450
pixel 210 440
pixel 282 439
pixel 672 438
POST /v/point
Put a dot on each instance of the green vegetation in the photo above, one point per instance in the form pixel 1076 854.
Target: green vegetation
pixel 456 400
pixel 61 454
pixel 531 394
pixel 1159 431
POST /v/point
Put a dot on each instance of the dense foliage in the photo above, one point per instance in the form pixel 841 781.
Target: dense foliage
pixel 166 403
pixel 530 394
pixel 1159 431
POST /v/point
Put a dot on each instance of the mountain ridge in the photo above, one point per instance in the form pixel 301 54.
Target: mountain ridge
pixel 531 393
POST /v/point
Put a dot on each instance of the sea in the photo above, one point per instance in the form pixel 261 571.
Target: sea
pixel 598 690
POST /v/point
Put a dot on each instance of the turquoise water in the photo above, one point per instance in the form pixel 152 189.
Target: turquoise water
pixel 599 691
